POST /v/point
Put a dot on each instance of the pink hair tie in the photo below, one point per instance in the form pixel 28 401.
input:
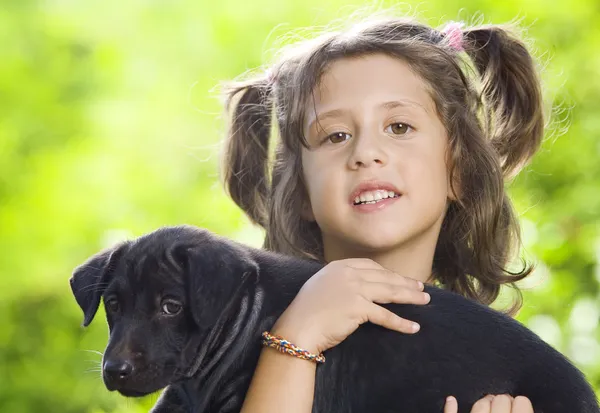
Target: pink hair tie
pixel 454 35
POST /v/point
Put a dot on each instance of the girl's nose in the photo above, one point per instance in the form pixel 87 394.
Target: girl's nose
pixel 366 151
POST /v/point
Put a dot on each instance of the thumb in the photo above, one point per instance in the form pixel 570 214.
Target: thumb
pixel 451 405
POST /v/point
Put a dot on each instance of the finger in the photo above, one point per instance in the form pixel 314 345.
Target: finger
pixel 482 405
pixel 451 405
pixel 522 404
pixel 384 293
pixel 502 404
pixel 385 318
pixel 386 276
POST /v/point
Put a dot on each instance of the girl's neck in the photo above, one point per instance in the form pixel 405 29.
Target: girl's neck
pixel 413 259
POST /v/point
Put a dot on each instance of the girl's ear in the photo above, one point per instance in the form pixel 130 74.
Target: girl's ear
pixel 453 178
pixel 306 213
pixel 453 189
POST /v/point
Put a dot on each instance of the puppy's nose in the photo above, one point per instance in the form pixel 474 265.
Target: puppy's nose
pixel 117 370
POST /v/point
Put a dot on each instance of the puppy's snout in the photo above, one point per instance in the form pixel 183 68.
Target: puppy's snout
pixel 117 371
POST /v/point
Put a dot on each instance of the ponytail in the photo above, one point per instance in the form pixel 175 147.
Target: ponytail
pixel 246 157
pixel 511 94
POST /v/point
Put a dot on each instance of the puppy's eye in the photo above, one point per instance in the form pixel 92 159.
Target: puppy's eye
pixel 111 305
pixel 171 307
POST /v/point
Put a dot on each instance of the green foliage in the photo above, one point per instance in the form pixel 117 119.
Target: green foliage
pixel 109 127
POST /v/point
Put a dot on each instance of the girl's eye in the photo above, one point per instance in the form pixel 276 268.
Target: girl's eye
pixel 171 307
pixel 398 128
pixel 338 137
pixel 111 305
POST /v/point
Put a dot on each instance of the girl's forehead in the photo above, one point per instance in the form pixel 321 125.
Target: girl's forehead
pixel 368 82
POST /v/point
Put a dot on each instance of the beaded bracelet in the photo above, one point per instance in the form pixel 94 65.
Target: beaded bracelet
pixel 281 344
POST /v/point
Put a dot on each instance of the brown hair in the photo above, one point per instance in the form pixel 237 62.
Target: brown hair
pixel 489 98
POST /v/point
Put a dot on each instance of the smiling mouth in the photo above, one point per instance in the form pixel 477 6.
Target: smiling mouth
pixel 374 200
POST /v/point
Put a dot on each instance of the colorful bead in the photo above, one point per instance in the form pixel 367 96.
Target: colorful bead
pixel 284 346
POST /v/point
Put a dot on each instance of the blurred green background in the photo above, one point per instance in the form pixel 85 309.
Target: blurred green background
pixel 109 128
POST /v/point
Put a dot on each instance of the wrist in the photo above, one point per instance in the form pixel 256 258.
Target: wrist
pixel 297 335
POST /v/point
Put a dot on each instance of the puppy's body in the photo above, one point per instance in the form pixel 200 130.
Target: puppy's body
pixel 235 292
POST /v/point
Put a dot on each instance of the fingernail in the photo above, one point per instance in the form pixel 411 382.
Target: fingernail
pixel 416 327
pixel 421 286
pixel 450 399
pixel 427 297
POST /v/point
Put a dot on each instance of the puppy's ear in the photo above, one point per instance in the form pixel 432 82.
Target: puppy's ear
pixel 215 274
pixel 91 278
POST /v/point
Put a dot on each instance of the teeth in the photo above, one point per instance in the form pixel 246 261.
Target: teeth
pixel 371 197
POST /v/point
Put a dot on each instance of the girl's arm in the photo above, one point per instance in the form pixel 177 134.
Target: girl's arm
pixel 281 383
pixel 328 308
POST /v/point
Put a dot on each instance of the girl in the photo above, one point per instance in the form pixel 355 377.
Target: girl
pixel 396 139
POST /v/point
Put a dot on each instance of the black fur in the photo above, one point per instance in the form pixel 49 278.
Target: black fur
pixel 231 293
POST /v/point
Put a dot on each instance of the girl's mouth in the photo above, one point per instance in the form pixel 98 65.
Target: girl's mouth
pixel 375 205
pixel 374 197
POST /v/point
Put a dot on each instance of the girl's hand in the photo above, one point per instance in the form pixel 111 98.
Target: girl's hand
pixel 341 297
pixel 494 404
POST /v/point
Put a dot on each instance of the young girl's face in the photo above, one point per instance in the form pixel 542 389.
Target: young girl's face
pixel 374 135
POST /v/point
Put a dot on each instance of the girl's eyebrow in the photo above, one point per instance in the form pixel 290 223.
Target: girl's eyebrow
pixel 335 113
pixel 392 104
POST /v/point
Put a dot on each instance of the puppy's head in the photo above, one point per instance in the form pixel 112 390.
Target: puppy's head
pixel 163 293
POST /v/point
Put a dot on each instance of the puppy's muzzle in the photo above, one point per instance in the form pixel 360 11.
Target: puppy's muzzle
pixel 121 373
pixel 116 373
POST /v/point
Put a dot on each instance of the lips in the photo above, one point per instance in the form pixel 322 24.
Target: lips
pixel 372 186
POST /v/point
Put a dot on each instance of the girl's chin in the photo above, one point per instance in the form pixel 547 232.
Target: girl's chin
pixel 377 244
pixel 376 239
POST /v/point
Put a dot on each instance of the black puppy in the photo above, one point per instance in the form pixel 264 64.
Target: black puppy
pixel 186 309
